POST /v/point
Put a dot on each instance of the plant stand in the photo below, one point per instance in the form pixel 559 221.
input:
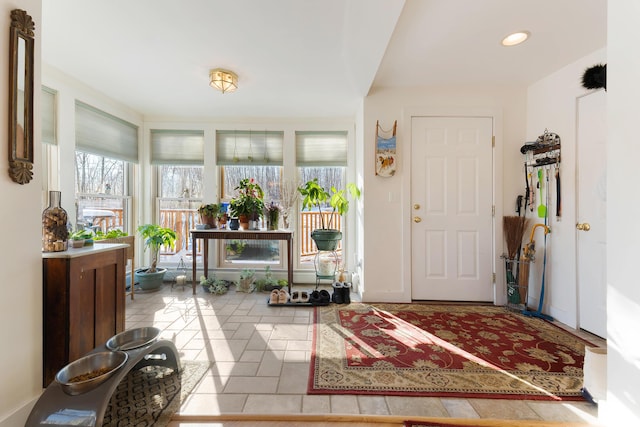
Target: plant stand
pixel 326 265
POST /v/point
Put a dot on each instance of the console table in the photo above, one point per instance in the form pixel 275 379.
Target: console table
pixel 216 234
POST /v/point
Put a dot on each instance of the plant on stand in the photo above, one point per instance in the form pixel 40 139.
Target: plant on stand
pixel 154 237
pixel 208 214
pixel 248 205
pixel 315 196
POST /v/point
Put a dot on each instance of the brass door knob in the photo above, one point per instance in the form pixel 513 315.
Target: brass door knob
pixel 417 219
pixel 416 206
pixel 583 226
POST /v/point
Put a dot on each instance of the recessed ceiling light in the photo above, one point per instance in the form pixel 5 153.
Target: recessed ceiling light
pixel 515 38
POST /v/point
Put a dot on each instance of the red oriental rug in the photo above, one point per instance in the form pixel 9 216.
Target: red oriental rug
pixel 443 350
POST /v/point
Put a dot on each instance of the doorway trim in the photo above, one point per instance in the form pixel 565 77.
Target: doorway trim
pixel 499 290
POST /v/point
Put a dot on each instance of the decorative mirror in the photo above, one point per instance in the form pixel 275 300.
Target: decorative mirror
pixel 21 97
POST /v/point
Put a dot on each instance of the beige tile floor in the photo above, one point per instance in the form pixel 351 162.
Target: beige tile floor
pixel 260 362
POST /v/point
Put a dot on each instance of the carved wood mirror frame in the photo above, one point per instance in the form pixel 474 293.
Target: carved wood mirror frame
pixel 21 97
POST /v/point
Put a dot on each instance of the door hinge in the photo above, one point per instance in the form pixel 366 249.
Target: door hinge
pixel 493 141
pixel 493 277
pixel 493 211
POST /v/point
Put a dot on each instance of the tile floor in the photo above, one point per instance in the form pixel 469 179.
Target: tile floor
pixel 261 356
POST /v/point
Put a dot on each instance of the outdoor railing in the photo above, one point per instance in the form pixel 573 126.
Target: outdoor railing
pixel 183 220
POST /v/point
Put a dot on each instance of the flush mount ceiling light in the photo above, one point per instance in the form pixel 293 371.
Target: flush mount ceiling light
pixel 515 38
pixel 223 80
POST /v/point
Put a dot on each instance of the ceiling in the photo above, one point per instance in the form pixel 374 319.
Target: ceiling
pixel 306 58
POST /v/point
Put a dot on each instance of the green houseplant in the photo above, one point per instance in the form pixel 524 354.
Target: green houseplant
pixel 315 196
pixel 249 203
pixel 154 238
pixel 208 214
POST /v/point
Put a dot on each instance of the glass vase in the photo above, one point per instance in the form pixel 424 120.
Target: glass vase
pixel 54 225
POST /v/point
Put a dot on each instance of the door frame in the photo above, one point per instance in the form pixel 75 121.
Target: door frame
pixel 499 290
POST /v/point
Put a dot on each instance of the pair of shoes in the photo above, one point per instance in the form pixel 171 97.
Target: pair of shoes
pixel 341 293
pixel 283 296
pixel 300 296
pixel 319 297
pixel 273 298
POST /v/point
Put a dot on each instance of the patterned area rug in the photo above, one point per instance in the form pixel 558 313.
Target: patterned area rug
pixel 151 395
pixel 443 350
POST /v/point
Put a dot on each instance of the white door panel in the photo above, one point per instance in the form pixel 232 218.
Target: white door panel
pixel 452 199
pixel 591 185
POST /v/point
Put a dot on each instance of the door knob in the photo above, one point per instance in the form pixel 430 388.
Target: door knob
pixel 416 206
pixel 417 219
pixel 583 226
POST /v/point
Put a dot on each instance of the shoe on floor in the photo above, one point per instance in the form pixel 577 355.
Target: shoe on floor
pixel 325 298
pixel 273 298
pixel 283 296
pixel 295 296
pixel 304 296
pixel 314 297
pixel 337 293
pixel 346 290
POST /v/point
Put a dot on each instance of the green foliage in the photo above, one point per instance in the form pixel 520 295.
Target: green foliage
pixel 314 196
pixel 154 238
pixel 268 283
pixel 111 234
pixel 210 209
pixel 214 285
pixel 81 235
pixel 249 200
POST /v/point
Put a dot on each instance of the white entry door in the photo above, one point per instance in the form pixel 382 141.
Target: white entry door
pixel 591 232
pixel 451 202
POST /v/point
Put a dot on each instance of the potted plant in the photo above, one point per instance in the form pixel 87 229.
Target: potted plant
pixel 248 205
pixel 208 214
pixel 315 196
pixel 78 237
pixel 272 211
pixel 154 238
pixel 246 280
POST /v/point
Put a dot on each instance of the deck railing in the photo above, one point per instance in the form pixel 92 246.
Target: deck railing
pixel 183 220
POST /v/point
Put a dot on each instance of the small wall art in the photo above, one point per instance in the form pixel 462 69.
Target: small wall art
pixel 386 161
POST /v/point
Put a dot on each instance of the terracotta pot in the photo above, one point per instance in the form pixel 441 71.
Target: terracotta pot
pixel 208 220
pixel 244 222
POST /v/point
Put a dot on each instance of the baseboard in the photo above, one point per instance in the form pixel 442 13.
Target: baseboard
pixel 19 417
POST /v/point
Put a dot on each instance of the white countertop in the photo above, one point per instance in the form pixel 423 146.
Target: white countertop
pixel 85 250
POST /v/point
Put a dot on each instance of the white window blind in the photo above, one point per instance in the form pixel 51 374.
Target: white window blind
pixel 101 133
pixel 322 148
pixel 249 147
pixel 177 147
pixel 48 106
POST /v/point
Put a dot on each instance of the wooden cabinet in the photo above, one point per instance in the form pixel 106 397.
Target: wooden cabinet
pixel 83 302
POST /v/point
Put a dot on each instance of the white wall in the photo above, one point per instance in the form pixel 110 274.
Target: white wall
pixel 551 104
pixel 387 207
pixel 623 211
pixel 21 261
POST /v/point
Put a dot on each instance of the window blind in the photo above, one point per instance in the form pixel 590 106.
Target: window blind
pixel 321 148
pixel 48 106
pixel 101 133
pixel 177 147
pixel 249 147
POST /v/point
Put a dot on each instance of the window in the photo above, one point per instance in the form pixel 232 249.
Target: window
pixel 106 149
pixel 258 155
pixel 178 158
pixel 49 143
pixel 321 155
pixel 101 192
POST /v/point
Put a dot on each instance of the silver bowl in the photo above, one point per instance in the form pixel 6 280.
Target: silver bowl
pixel 105 362
pixel 133 338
